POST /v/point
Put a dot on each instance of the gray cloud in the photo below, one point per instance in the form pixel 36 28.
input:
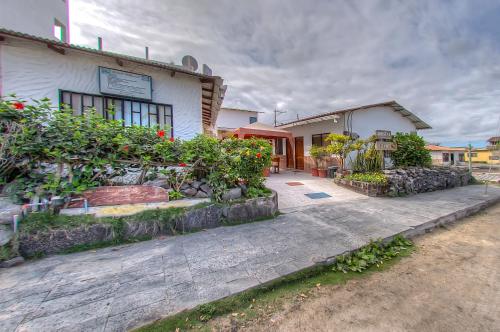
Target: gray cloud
pixel 440 59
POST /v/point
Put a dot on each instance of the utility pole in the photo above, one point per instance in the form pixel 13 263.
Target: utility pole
pixel 470 155
pixel 276 112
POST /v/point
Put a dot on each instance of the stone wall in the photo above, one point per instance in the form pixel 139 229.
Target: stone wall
pixel 415 180
pixel 133 228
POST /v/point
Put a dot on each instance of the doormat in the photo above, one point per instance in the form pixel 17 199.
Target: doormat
pixel 294 183
pixel 317 195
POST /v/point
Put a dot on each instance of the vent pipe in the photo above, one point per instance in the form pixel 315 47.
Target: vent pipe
pixel 99 43
pixel 147 53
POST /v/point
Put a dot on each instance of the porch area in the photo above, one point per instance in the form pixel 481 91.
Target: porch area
pixel 298 190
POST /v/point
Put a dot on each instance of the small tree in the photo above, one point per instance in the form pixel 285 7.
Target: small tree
pixel 341 146
pixel 410 151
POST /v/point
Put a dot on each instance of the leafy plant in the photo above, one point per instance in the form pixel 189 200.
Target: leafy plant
pixel 367 159
pixel 174 195
pixel 374 177
pixel 375 253
pixel 340 145
pixel 410 151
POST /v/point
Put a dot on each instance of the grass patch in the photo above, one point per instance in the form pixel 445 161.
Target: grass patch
pixel 253 303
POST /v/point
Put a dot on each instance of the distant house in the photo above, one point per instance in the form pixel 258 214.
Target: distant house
pixel 142 92
pixel 361 121
pixel 494 141
pixel 231 118
pixel 446 156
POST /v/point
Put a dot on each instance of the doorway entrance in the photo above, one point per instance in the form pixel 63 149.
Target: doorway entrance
pixel 299 153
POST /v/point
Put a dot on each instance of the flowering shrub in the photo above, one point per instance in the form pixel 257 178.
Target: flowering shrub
pixel 86 151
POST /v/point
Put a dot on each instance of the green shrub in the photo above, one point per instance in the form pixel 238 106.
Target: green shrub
pixel 375 178
pixel 88 150
pixel 410 151
pixel 374 253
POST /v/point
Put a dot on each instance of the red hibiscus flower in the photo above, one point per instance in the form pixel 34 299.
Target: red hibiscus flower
pixel 182 164
pixel 171 139
pixel 259 155
pixel 125 148
pixel 160 133
pixel 18 106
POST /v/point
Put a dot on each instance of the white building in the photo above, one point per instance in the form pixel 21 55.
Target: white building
pixel 231 118
pixel 142 91
pixel 42 18
pixel 361 121
pixel 446 156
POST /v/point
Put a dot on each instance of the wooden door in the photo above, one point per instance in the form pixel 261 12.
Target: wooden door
pixel 299 152
pixel 289 154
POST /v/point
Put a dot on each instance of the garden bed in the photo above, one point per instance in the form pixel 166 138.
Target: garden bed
pixel 43 234
pixel 365 188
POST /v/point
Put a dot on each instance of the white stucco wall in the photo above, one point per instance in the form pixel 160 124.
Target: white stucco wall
pixel 366 122
pixel 35 17
pixel 232 119
pixel 31 70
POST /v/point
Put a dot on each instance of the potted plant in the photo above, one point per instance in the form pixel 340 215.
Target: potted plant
pixel 322 170
pixel 315 153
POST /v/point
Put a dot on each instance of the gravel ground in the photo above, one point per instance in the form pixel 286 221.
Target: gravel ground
pixel 451 283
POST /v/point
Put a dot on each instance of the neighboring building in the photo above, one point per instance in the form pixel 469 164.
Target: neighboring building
pixel 230 119
pixel 447 156
pixel 359 121
pixel 484 156
pixel 142 91
pixel 42 18
pixel 494 141
pixel 487 155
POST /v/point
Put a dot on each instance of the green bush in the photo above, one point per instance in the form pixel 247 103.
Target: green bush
pixel 367 159
pixel 88 150
pixel 410 151
pixel 374 177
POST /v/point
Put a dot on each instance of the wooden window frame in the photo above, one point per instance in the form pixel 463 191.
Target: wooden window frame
pixel 167 118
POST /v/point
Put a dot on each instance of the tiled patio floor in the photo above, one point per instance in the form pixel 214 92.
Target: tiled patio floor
pixel 293 197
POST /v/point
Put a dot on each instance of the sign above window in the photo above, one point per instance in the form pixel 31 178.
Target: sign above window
pixel 121 83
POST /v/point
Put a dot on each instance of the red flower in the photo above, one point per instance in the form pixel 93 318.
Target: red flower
pixel 160 133
pixel 171 139
pixel 18 106
pixel 182 164
pixel 259 155
pixel 125 148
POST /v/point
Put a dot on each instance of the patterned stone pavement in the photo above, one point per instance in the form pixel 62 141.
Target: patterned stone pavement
pixel 115 289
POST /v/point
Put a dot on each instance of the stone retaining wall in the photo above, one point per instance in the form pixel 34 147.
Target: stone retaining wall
pixel 191 219
pixel 415 180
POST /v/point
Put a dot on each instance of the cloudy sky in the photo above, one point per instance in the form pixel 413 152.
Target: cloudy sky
pixel 440 59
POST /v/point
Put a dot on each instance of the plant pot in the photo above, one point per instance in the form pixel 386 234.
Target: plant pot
pixel 266 172
pixel 322 172
pixel 314 171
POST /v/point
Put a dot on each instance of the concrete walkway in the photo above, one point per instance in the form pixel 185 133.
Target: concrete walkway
pixel 293 197
pixel 119 288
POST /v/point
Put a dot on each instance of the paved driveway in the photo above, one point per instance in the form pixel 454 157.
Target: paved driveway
pixel 118 288
pixel 292 188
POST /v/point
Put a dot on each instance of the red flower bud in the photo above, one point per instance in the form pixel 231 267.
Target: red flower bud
pixel 160 133
pixel 259 155
pixel 182 164
pixel 18 106
pixel 171 139
pixel 125 148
